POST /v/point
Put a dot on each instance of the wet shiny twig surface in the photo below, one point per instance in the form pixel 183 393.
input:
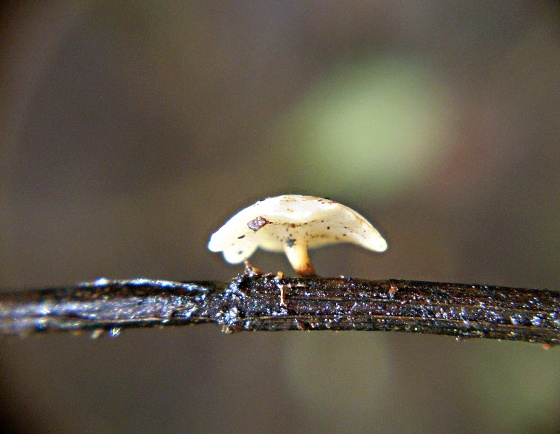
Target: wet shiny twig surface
pixel 275 303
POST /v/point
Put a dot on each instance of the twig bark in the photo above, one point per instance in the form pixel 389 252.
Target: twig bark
pixel 273 303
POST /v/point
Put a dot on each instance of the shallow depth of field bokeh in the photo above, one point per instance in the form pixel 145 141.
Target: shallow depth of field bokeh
pixel 130 131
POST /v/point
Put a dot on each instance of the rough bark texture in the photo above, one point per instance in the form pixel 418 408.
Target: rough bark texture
pixel 272 303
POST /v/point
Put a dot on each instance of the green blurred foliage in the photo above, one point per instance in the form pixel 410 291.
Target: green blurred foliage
pixel 377 125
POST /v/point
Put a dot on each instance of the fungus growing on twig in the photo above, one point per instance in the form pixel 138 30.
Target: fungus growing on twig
pixel 292 224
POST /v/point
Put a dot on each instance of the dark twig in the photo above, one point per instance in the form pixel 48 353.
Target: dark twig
pixel 272 303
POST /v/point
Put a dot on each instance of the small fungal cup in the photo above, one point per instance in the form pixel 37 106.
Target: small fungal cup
pixel 293 223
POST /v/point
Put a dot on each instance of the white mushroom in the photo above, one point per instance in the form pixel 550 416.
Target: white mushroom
pixel 292 223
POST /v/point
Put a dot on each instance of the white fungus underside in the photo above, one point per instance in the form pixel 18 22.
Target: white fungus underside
pixel 293 219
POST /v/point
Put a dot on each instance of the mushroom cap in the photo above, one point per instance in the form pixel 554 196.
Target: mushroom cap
pixel 284 220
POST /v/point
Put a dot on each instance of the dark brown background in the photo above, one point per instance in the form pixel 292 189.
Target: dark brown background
pixel 129 132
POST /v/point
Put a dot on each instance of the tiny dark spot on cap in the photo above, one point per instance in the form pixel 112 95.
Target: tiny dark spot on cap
pixel 241 237
pixel 328 228
pixel 257 223
pixel 240 252
pixel 293 225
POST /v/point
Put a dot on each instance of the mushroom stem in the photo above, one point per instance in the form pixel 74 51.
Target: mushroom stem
pixel 299 259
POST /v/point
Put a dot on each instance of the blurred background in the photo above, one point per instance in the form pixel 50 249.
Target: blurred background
pixel 130 131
